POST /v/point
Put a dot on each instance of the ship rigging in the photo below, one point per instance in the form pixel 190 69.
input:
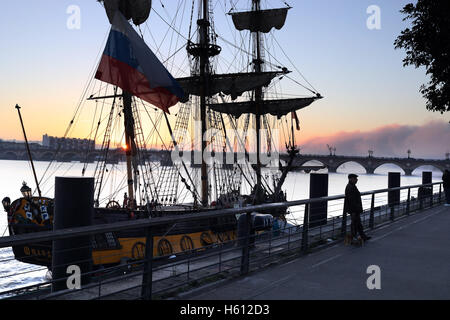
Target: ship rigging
pixel 208 110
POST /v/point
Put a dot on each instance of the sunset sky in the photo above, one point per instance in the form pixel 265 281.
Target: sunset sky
pixel 371 101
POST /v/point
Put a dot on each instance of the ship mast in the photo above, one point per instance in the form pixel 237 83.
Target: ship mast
pixel 258 98
pixel 135 54
pixel 261 21
pixel 206 84
pixel 204 73
pixel 129 139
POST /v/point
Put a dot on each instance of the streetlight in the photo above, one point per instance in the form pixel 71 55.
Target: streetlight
pixel 331 149
pixel 26 191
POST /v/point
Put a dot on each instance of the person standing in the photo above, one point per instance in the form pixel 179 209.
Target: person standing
pixel 446 185
pixel 6 204
pixel 125 201
pixel 353 206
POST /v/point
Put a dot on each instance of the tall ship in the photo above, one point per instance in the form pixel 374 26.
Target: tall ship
pixel 222 125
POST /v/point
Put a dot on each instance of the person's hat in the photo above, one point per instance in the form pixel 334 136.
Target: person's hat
pixel 352 175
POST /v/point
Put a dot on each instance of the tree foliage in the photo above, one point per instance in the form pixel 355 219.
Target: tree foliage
pixel 427 44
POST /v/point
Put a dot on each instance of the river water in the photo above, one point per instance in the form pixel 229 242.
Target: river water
pixel 14 274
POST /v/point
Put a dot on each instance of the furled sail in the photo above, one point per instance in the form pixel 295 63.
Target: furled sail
pixel 260 21
pixel 138 10
pixel 233 84
pixel 276 108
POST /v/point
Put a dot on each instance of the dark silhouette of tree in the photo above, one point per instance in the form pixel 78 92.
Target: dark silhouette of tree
pixel 427 44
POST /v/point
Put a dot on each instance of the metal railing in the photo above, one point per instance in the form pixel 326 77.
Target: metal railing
pixel 164 276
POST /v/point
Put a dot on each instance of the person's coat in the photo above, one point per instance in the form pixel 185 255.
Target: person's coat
pixel 446 179
pixel 353 202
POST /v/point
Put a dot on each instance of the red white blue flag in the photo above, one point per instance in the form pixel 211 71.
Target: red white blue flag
pixel 128 63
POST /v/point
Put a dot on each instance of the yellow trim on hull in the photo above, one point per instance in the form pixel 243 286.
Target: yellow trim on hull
pixel 134 248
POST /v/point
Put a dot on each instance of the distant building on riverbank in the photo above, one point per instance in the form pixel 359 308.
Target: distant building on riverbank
pixel 66 143
pixel 17 145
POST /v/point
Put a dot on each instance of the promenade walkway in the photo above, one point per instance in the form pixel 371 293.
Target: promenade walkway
pixel 413 255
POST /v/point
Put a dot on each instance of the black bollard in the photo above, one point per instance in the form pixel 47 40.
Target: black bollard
pixel 393 196
pixel 427 192
pixel 74 207
pixel 394 182
pixel 427 177
pixel 318 189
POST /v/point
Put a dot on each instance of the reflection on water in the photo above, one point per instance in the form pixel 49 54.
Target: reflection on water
pixel 14 274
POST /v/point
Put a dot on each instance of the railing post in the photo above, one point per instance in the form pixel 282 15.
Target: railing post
pixel 372 212
pixel 408 202
pixel 188 269
pixel 332 234
pixel 289 238
pixel 147 278
pixel 392 212
pixel 270 243
pixel 432 197
pixel 344 223
pixel 220 258
pixel 305 235
pixel 420 196
pixel 440 192
pixel 245 259
pixel 320 232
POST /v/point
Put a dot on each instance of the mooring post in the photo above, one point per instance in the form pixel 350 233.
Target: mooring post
pixel 372 212
pixel 147 279
pixel 305 235
pixel 318 188
pixel 427 178
pixel 393 196
pixel 74 207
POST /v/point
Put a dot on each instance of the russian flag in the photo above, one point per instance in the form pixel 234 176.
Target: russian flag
pixel 128 63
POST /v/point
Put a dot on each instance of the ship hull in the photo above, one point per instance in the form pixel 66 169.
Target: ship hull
pixel 130 248
pixel 117 247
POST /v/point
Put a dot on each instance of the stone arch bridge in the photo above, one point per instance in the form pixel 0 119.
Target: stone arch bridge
pixel 408 165
pixel 50 155
pixel 18 152
pixel 332 162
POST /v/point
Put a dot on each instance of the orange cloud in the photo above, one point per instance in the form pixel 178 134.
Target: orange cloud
pixel 431 140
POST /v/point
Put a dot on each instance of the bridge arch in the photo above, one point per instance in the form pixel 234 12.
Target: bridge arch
pixel 401 168
pixel 47 156
pixel 361 167
pixel 24 156
pixel 68 156
pixel 91 157
pixel 10 155
pixel 312 162
pixel 415 168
